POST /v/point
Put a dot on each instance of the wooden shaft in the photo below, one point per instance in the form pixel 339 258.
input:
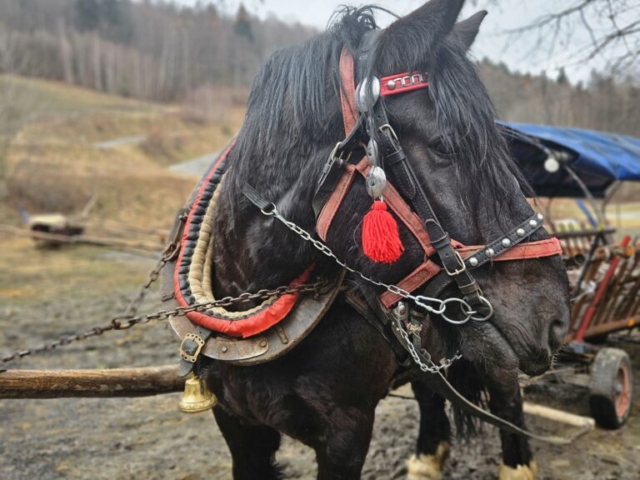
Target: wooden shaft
pixel 602 288
pixel 122 382
pixel 558 416
pixel 614 326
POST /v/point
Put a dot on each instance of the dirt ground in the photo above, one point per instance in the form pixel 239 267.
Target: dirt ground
pixel 148 438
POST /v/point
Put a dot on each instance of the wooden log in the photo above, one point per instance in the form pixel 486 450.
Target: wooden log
pixel 138 248
pixel 559 416
pixel 612 326
pixel 122 382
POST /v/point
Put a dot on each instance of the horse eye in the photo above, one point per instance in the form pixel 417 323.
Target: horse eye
pixel 439 146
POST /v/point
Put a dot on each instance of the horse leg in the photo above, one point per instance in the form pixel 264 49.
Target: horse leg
pixel 432 449
pixel 342 454
pixel 253 447
pixel 505 400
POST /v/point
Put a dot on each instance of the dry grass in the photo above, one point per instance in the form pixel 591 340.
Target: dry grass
pixel 53 163
pixel 31 275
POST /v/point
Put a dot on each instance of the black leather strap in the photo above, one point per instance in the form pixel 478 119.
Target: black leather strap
pixel 404 178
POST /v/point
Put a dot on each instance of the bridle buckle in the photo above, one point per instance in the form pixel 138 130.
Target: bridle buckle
pixel 462 266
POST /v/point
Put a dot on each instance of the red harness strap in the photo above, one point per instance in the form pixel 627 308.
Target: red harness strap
pixel 251 324
pixel 392 85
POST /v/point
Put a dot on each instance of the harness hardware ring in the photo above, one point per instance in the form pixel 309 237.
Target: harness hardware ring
pixel 464 306
pixel 488 315
pixel 269 210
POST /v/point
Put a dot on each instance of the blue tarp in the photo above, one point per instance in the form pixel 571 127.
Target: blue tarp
pixel 598 158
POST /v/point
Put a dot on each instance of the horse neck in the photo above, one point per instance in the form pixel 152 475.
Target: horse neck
pixel 252 251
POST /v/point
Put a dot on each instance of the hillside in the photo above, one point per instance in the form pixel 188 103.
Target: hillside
pixel 73 143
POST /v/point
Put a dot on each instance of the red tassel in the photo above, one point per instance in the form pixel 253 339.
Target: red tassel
pixel 380 235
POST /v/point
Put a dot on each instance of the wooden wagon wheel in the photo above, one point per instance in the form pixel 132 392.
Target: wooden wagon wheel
pixel 611 388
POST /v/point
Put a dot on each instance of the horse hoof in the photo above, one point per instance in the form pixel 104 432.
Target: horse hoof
pixel 521 472
pixel 428 467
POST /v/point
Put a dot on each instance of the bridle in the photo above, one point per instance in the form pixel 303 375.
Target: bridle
pixel 366 122
pixel 446 261
pixel 455 261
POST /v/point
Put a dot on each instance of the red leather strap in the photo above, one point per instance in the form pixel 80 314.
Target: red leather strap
pixel 428 270
pixel 524 251
pixel 328 212
pixel 411 282
pixel 402 83
pixel 347 91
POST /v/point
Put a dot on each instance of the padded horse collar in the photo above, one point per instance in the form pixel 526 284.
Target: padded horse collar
pixel 454 260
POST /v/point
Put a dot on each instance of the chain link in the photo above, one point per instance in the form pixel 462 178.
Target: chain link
pixel 154 275
pixel 419 300
pixel 428 367
pixel 127 320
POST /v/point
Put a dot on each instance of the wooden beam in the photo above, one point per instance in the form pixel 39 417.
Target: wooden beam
pixel 554 415
pixel 122 382
pixel 610 327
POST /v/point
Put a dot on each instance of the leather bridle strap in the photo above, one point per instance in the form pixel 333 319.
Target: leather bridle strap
pixel 338 177
pixel 403 176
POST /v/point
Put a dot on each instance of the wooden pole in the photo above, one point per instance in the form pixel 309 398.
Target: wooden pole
pixel 559 416
pixel 122 382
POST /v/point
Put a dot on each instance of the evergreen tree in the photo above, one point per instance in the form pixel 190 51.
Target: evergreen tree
pixel 243 23
pixel 87 14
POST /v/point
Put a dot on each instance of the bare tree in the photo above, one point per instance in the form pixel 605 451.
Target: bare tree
pixel 612 28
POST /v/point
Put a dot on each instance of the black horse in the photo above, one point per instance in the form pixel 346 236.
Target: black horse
pixel 325 391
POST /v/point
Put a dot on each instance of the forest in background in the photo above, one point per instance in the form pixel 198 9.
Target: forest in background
pixel 161 52
pixel 146 50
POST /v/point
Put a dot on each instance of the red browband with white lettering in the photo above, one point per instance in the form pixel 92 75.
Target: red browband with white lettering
pixel 402 83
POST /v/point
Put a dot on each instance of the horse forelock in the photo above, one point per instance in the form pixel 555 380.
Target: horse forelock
pixel 464 116
pixel 293 103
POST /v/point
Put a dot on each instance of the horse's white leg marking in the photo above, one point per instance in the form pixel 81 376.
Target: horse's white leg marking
pixel 522 472
pixel 428 467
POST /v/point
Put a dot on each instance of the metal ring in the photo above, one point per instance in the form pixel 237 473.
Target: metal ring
pixel 466 308
pixel 270 210
pixel 486 317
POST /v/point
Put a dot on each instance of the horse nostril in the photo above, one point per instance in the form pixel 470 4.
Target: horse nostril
pixel 557 330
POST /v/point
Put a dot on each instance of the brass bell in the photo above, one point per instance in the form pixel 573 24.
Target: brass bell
pixel 196 397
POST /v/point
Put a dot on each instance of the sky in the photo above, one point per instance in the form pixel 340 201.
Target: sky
pixel 519 54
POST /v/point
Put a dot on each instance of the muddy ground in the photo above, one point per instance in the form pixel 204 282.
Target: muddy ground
pixel 148 438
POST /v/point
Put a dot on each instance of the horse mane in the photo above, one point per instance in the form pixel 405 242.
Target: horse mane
pixel 464 114
pixel 294 111
pixel 290 95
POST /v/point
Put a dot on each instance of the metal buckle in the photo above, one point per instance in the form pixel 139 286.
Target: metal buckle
pixel 390 130
pixel 191 358
pixel 458 271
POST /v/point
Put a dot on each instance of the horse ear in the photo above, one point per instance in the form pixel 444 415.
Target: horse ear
pixel 427 25
pixel 467 30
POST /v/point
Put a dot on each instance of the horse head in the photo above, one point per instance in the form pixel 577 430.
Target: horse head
pixel 456 155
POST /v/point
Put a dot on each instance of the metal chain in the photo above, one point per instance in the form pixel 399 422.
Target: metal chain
pixel 417 299
pixel 429 367
pixel 125 322
pixel 154 275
